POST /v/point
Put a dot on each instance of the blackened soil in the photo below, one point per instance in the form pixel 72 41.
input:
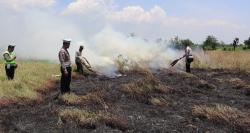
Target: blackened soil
pixel 203 87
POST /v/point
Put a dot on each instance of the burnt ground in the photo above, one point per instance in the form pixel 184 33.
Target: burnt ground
pixel 204 87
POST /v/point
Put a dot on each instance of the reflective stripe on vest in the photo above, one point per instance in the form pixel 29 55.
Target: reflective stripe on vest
pixel 11 55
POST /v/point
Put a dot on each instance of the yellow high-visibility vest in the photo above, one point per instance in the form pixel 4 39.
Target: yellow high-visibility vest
pixel 11 56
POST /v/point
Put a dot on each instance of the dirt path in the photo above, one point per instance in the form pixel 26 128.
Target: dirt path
pixel 205 87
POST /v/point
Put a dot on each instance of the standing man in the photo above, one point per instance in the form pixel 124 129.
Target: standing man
pixel 189 58
pixel 66 69
pixel 10 62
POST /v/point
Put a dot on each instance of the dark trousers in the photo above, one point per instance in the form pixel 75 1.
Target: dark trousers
pixel 65 80
pixel 188 68
pixel 10 72
pixel 79 67
pixel 188 64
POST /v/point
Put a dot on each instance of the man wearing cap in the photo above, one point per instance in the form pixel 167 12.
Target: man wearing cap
pixel 10 63
pixel 66 69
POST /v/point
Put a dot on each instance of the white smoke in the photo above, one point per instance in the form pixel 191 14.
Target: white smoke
pixel 38 34
pixel 104 47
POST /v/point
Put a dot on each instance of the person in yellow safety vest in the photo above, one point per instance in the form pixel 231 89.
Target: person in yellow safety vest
pixel 10 62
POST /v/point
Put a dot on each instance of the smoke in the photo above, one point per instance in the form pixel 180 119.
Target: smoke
pixel 38 35
pixel 104 48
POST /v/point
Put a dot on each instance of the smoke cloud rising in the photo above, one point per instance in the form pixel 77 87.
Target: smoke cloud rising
pixel 37 31
pixel 104 47
pixel 38 34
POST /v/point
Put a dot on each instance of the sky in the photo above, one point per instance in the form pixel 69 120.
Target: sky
pixel 36 23
pixel 229 17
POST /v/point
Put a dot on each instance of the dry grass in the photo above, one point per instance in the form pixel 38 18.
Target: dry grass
pixel 114 121
pixel 205 85
pixel 90 119
pixel 237 83
pixel 240 84
pixel 218 113
pixel 141 67
pixel 96 97
pixel 196 81
pixel 235 60
pixel 224 114
pixel 137 87
pixel 238 60
pixel 143 86
pixel 72 99
pixel 121 64
pixel 82 117
pixel 30 77
pixel 188 75
pixel 158 102
pixel 143 89
pixel 125 65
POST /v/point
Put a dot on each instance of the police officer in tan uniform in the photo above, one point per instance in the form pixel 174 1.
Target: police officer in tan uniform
pixel 64 58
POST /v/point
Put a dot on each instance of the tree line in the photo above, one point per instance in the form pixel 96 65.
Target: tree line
pixel 211 43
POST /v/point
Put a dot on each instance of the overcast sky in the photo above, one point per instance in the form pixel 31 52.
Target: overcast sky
pixel 39 22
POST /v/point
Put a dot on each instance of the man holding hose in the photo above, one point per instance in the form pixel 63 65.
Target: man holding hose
pixel 189 58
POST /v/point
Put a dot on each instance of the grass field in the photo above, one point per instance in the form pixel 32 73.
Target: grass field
pixel 30 77
pixel 238 60
pixel 208 100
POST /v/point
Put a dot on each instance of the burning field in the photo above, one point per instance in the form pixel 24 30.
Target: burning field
pixel 130 62
pixel 165 100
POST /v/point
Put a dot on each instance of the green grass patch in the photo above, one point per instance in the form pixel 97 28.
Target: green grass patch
pixel 30 77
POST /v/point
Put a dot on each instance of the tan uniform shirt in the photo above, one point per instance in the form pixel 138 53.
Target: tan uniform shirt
pixel 64 59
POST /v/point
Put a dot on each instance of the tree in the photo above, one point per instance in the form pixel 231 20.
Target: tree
pixel 247 43
pixel 235 42
pixel 186 42
pixel 210 43
pixel 181 44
